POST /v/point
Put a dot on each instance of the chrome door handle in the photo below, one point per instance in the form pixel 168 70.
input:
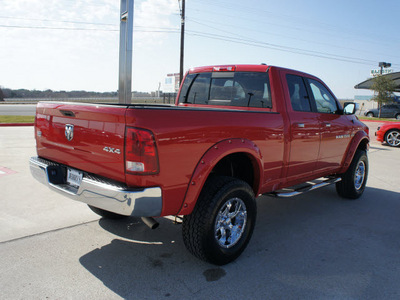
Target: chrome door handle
pixel 300 125
pixel 327 124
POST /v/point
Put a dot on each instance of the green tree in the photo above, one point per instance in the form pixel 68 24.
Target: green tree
pixel 383 88
pixel 1 95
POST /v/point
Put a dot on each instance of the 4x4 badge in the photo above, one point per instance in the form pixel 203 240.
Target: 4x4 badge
pixel 69 132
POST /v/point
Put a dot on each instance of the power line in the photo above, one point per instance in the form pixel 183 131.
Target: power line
pixel 156 29
pixel 283 48
pixel 280 35
pixel 59 21
pixel 239 39
pixel 297 28
pixel 243 41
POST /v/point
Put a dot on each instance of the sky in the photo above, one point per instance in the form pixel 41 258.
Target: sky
pixel 74 44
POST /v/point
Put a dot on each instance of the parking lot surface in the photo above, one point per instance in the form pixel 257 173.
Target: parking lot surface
pixel 314 246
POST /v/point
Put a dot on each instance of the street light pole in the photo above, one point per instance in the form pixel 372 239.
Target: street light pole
pixel 125 52
pixel 182 42
pixel 384 65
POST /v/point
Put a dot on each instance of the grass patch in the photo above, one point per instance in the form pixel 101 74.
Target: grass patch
pixel 17 119
pixel 377 119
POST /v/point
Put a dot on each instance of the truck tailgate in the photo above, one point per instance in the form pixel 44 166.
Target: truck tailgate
pixel 87 137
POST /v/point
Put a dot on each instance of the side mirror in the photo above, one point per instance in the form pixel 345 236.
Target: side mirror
pixel 350 108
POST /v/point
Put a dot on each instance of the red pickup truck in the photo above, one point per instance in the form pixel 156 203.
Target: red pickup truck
pixel 235 132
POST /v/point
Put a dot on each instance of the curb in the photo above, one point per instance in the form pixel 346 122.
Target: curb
pixel 15 124
pixel 377 121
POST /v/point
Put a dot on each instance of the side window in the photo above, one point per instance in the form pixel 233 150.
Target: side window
pixel 185 87
pixel 298 93
pixel 324 100
pixel 198 92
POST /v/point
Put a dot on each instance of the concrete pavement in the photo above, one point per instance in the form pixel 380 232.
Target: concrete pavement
pixel 315 246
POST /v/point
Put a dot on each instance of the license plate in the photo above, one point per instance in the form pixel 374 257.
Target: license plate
pixel 74 177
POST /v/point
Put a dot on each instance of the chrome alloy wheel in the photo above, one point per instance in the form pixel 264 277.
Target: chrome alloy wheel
pixel 393 138
pixel 359 175
pixel 230 222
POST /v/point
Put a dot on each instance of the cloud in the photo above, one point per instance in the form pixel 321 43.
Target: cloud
pixel 152 16
pixel 72 58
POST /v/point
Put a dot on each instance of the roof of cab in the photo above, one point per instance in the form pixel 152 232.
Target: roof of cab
pixel 230 68
pixel 246 68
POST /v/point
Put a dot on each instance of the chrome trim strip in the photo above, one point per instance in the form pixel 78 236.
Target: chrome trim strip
pixel 140 203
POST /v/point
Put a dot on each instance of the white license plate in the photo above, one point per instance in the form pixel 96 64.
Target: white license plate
pixel 74 177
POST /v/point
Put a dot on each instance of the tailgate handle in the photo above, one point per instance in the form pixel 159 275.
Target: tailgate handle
pixel 68 113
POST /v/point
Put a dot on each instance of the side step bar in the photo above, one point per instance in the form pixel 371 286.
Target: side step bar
pixel 301 190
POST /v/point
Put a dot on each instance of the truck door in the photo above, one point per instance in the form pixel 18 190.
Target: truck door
pixel 304 127
pixel 335 127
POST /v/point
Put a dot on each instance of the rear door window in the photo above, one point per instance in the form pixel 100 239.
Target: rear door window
pixel 298 93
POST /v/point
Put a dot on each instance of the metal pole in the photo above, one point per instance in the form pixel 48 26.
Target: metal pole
pixel 125 52
pixel 182 42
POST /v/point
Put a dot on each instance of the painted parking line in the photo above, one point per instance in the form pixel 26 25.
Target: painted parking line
pixel 4 171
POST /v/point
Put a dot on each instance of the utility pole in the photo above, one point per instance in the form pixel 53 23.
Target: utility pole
pixel 182 41
pixel 125 52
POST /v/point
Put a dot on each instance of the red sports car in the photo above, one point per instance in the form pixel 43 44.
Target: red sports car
pixel 389 133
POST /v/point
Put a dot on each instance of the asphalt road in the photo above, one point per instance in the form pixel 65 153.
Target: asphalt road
pixel 17 109
pixel 314 246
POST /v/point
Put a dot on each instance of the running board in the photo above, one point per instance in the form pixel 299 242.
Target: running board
pixel 309 187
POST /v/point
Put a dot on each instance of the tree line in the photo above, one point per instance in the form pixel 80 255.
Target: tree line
pixel 24 93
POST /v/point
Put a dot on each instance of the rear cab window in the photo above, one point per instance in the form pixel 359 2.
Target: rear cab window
pixel 241 89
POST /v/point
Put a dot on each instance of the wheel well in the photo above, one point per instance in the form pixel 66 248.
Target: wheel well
pixel 363 145
pixel 238 165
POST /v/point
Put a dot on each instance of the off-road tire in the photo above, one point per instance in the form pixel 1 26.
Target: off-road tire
pixel 106 214
pixel 200 228
pixel 355 178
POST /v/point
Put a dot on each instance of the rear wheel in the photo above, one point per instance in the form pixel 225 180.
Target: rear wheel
pixel 370 114
pixel 354 180
pixel 106 214
pixel 392 138
pixel 221 224
pixel 397 117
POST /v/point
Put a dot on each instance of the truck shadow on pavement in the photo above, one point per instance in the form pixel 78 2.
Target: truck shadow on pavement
pixel 315 245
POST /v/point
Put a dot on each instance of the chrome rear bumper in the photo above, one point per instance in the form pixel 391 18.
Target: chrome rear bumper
pixel 99 193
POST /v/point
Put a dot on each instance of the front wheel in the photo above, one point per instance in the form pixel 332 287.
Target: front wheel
pixel 392 138
pixel 370 115
pixel 222 222
pixel 397 117
pixel 354 179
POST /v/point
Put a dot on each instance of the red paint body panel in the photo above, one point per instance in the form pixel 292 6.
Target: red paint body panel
pixel 191 139
pixel 95 127
pixel 184 135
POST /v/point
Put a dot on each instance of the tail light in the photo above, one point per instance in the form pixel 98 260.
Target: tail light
pixel 141 155
pixel 224 69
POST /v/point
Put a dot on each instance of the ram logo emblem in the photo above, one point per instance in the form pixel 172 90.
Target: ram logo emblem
pixel 69 132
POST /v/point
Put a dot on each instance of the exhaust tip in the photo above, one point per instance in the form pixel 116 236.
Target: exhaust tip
pixel 150 222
